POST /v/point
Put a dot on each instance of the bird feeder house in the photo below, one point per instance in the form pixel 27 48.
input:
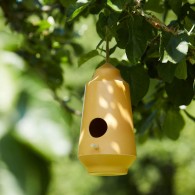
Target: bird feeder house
pixel 106 144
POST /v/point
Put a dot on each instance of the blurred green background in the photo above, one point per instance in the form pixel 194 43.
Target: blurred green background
pixel 40 113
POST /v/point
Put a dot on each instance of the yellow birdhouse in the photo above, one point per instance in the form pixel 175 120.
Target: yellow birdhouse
pixel 106 144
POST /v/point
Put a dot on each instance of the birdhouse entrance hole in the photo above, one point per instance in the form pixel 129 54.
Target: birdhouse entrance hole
pixel 98 127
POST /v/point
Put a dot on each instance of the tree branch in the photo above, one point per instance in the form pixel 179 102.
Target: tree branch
pixel 64 104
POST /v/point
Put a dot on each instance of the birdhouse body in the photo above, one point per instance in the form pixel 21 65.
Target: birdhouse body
pixel 106 145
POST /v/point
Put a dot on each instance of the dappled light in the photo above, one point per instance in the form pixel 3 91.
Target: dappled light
pixel 112 120
pixel 49 51
pixel 115 147
pixel 103 103
pixel 110 149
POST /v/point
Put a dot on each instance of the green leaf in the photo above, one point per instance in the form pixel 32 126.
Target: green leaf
pixel 154 5
pixel 43 25
pixel 119 5
pixel 140 32
pixel 122 35
pixel 112 22
pixel 166 71
pixel 114 61
pixel 173 124
pixel 78 11
pixel 181 70
pixel 106 25
pixel 176 47
pixel 175 5
pixel 146 123
pixel 84 58
pixel 96 6
pixel 67 3
pixel 112 50
pixel 101 25
pixel 138 80
pixel 191 54
pixel 25 165
pixel 113 6
pixel 191 13
pixel 180 92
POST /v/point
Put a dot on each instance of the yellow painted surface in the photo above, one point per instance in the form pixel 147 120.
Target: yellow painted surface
pixel 107 96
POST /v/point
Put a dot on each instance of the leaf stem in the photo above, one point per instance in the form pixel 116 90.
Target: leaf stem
pixel 107 46
pixel 189 115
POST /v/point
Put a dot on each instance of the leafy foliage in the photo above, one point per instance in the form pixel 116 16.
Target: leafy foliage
pixel 49 50
pixel 173 124
pixel 139 81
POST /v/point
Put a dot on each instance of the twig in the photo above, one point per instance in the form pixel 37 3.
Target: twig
pixel 155 22
pixel 63 103
pixel 190 116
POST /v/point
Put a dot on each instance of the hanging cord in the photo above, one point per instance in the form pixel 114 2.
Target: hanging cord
pixel 107 46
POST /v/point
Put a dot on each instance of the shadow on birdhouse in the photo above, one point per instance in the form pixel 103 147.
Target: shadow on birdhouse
pixel 106 144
